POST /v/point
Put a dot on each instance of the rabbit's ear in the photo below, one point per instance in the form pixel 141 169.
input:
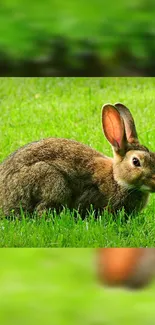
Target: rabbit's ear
pixel 113 127
pixel 130 128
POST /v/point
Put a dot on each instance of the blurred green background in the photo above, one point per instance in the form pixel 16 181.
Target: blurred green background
pixel 58 38
pixel 60 287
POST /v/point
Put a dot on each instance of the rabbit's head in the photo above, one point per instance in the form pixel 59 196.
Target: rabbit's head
pixel 133 164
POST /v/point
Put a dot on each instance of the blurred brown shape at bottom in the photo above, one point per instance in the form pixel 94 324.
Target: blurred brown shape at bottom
pixel 126 267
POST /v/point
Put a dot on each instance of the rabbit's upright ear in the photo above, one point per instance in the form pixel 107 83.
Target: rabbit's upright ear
pixel 130 128
pixel 113 127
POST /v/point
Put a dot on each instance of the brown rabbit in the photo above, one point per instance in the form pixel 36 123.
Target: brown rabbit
pixel 53 173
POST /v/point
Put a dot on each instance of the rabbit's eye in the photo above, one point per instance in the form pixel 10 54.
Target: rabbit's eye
pixel 136 162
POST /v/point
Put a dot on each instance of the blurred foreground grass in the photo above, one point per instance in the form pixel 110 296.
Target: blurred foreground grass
pixel 59 286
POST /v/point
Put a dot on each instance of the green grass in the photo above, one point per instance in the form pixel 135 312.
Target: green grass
pixel 59 286
pixel 71 107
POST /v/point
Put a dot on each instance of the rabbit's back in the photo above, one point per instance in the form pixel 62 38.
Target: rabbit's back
pixel 48 174
pixel 74 153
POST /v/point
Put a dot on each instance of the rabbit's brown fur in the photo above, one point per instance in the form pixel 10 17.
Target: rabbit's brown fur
pixel 53 173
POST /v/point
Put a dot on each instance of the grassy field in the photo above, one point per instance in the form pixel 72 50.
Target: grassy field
pixel 71 107
pixel 59 286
